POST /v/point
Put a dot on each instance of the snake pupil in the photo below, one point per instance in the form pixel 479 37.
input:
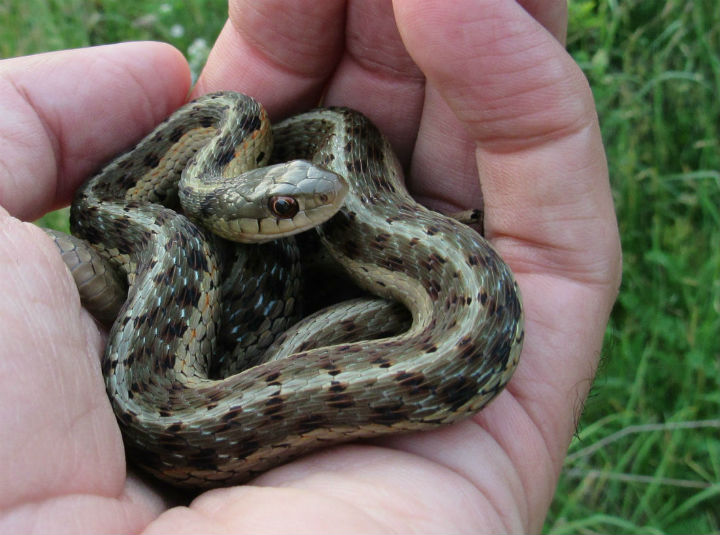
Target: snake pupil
pixel 283 206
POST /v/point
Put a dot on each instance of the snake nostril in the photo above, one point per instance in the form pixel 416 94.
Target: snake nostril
pixel 323 198
pixel 283 206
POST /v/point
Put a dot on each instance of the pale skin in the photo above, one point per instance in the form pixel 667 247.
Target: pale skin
pixel 464 89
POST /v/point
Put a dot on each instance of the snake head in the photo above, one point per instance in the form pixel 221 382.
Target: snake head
pixel 266 203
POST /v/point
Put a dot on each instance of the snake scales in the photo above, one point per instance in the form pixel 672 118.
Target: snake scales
pixel 194 430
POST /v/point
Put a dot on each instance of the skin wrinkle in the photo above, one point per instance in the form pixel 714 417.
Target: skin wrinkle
pixel 367 512
pixel 247 496
pixel 545 440
pixel 457 434
pixel 535 131
pixel 50 136
pixel 69 514
pixel 530 256
pixel 380 54
pixel 259 53
pixel 444 159
pixel 384 69
pixel 406 456
pixel 477 483
pixel 522 399
pixel 521 494
pixel 285 45
pixel 452 66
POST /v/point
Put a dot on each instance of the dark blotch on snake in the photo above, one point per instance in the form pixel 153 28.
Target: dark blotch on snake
pixel 272 378
pixel 348 325
pixel 340 401
pixel 166 362
pixel 381 362
pixel 433 288
pixel 415 382
pixel 457 392
pixel 354 166
pixel 252 122
pixel 473 260
pixel 337 387
pixel 231 414
pixel 172 330
pixel 207 205
pixel 482 297
pixel 149 318
pixel 393 263
pixel 311 422
pixel 432 230
pixel 226 156
pixel 274 405
pixel 188 296
pixel 500 352
pixel 176 134
pixel 197 261
pixel 351 249
pixel 389 414
pixel 151 160
pixel 175 427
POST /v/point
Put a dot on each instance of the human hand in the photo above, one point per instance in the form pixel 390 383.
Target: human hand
pixel 499 98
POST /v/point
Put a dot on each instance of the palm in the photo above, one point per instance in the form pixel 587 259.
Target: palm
pixel 484 108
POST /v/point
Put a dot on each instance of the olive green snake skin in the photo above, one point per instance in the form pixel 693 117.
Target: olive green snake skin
pixel 190 428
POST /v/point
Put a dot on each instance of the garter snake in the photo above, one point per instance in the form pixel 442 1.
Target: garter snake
pixel 191 430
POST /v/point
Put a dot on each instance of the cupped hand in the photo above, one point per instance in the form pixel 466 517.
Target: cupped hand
pixel 483 106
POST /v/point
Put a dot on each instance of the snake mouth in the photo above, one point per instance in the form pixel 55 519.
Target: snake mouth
pixel 252 230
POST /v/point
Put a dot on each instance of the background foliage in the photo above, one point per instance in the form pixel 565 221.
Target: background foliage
pixel 646 458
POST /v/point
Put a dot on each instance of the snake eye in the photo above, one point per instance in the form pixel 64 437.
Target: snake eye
pixel 283 206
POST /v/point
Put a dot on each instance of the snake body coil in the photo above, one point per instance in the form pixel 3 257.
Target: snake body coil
pixel 459 352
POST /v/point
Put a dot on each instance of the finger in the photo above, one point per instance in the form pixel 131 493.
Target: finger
pixel 62 452
pixel 530 113
pixel 53 410
pixel 65 113
pixel 278 51
pixel 377 76
pixel 527 110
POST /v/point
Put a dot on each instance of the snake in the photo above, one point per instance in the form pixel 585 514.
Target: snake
pixel 155 225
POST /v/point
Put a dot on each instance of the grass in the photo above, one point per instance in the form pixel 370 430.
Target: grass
pixel 646 458
pixel 655 71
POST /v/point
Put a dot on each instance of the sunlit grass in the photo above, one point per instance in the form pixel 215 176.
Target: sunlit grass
pixel 655 71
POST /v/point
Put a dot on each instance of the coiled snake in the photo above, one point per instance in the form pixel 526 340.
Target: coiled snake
pixel 194 430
